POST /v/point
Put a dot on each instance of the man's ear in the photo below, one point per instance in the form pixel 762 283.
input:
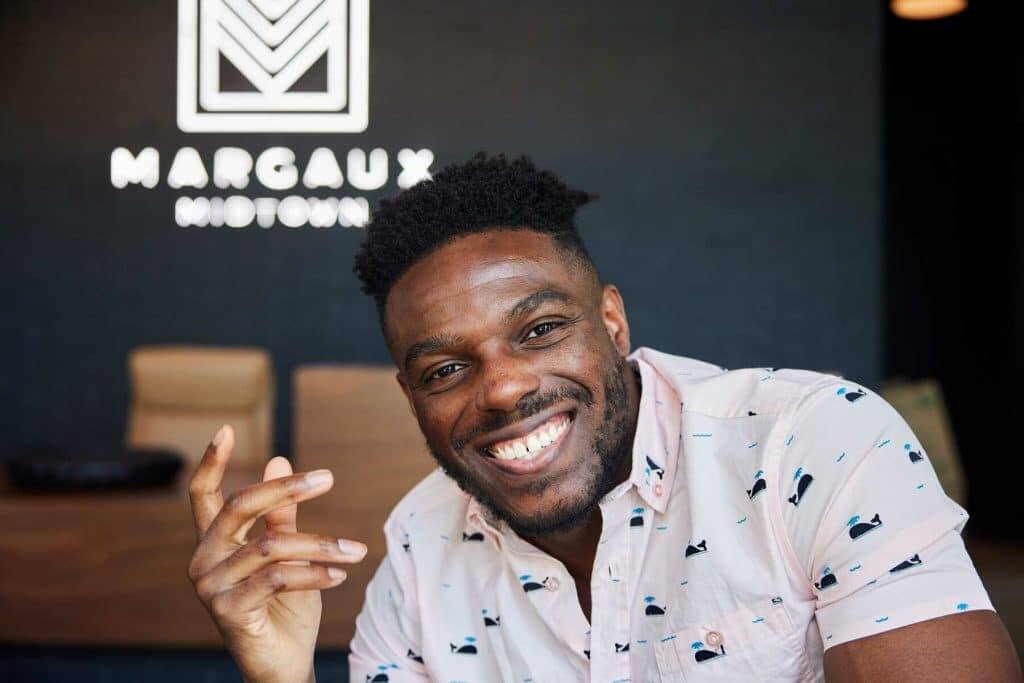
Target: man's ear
pixel 613 315
pixel 408 394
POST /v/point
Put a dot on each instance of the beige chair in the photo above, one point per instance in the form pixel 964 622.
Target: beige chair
pixel 356 422
pixel 181 395
pixel 922 405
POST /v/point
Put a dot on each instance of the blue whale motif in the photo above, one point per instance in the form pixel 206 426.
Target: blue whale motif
pixel 912 561
pixel 760 486
pixel 851 396
pixel 381 676
pixel 697 549
pixel 804 481
pixel 859 528
pixel 827 580
pixel 529 585
pixel 655 467
pixel 702 654
pixel 651 609
pixel 468 649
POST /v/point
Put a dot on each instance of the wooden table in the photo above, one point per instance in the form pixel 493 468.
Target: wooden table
pixel 111 568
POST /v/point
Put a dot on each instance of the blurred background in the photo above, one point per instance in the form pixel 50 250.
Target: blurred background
pixel 842 181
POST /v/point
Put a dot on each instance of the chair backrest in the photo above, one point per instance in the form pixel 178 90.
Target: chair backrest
pixel 356 422
pixel 922 405
pixel 181 395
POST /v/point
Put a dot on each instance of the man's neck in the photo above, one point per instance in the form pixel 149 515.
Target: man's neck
pixel 577 547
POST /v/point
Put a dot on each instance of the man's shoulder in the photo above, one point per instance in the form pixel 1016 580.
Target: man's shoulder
pixel 717 391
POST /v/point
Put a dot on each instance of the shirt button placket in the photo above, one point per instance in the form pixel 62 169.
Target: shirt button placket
pixel 618 609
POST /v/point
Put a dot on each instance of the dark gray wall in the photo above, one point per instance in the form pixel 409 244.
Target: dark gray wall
pixel 734 146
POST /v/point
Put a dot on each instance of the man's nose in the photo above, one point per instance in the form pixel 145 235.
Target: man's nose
pixel 504 382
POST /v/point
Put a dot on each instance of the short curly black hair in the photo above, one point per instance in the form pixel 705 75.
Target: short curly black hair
pixel 483 193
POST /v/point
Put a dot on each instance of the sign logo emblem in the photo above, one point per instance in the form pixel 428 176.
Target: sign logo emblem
pixel 273 44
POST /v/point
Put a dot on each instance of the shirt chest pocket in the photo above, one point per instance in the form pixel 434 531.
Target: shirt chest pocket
pixel 755 643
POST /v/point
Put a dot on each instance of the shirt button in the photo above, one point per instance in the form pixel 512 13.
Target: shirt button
pixel 553 584
pixel 713 638
pixel 658 489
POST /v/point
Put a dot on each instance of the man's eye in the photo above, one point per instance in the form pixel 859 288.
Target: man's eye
pixel 443 371
pixel 541 330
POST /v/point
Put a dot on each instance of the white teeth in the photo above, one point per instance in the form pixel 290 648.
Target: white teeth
pixel 528 446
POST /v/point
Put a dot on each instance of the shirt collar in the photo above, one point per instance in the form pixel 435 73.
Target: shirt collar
pixel 655 454
pixel 656 444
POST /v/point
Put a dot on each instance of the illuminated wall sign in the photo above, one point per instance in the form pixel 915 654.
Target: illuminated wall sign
pixel 273 43
pixel 275 169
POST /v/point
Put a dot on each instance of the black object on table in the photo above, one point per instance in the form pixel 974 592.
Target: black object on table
pixel 57 468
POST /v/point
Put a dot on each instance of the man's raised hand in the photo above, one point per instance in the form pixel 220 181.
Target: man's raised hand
pixel 263 593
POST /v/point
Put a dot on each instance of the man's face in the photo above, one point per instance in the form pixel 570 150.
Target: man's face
pixel 512 358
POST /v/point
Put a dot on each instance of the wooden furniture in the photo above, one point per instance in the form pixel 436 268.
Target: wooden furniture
pixel 180 395
pixel 102 569
pixel 110 568
pixel 356 422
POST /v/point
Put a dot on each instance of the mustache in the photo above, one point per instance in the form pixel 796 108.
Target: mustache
pixel 526 407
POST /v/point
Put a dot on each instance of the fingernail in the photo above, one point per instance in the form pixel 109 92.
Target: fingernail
pixel 351 547
pixel 336 573
pixel 318 478
pixel 219 436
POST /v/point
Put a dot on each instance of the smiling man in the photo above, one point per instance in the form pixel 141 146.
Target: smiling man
pixel 603 514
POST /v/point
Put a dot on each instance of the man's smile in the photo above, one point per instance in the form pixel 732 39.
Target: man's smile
pixel 529 446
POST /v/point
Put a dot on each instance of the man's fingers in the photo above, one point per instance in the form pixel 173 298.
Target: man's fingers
pixel 283 518
pixel 244 506
pixel 255 591
pixel 204 489
pixel 274 547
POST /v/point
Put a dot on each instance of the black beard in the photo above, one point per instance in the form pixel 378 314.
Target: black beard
pixel 613 445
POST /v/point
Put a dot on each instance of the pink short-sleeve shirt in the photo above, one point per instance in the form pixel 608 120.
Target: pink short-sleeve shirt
pixel 770 514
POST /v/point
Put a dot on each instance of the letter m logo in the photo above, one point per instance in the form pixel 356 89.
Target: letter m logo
pixel 273 65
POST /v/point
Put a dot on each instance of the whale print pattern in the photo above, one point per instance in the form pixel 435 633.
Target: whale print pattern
pixel 912 561
pixel 759 485
pixel 827 580
pixel 653 610
pixel 792 510
pixel 803 482
pixel 701 652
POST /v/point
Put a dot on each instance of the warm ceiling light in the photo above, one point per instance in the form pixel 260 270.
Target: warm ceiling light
pixel 927 9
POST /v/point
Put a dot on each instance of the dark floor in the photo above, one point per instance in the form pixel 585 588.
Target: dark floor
pixel 91 665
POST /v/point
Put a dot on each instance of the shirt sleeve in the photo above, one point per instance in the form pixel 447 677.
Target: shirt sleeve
pixel 385 648
pixel 866 518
